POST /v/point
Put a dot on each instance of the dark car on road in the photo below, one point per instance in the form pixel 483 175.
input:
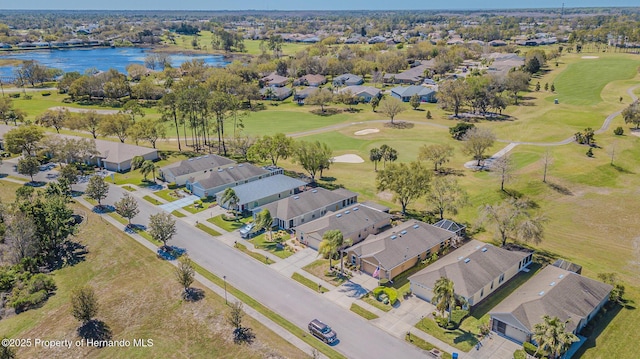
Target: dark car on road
pixel 322 331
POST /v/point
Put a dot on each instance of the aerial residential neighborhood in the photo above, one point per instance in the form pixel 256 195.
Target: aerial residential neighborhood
pixel 342 180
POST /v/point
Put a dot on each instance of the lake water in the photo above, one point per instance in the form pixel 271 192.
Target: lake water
pixel 101 58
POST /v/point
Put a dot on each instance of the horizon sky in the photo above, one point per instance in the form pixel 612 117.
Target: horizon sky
pixel 310 5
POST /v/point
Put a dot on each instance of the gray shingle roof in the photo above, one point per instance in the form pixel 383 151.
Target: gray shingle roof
pixel 359 89
pixel 306 202
pixel 394 246
pixel 357 218
pixel 266 187
pixel 408 91
pixel 229 174
pixel 197 164
pixel 553 291
pixel 486 263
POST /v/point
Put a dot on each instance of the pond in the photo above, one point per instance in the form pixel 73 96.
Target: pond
pixel 101 58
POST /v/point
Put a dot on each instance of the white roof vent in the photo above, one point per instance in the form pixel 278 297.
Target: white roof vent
pixel 552 284
pixel 541 293
pixel 459 258
pixel 339 215
pixel 467 260
pixel 240 165
pixel 561 276
pixel 394 237
pixel 355 209
pixel 403 232
pixel 347 212
pixel 314 191
pixel 416 226
pixel 484 249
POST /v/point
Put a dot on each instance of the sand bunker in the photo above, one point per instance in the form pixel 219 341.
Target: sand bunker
pixel 367 131
pixel 590 57
pixel 348 158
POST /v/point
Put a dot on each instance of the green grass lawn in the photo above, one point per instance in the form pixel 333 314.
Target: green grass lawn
pixel 208 229
pixel 424 345
pixel 458 338
pixel 258 256
pixel 308 283
pixel 228 226
pixel 377 304
pixel 200 205
pixel 178 214
pixel 120 270
pixel 167 194
pixel 362 312
pixel 129 188
pixel 261 242
pixel 152 200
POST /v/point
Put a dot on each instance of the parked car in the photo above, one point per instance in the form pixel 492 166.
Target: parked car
pixel 322 331
pixel 246 231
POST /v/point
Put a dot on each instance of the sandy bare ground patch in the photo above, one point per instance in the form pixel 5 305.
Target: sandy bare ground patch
pixel 348 158
pixel 83 110
pixel 367 131
pixel 590 57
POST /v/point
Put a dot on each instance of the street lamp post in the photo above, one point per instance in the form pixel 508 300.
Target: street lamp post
pixel 224 277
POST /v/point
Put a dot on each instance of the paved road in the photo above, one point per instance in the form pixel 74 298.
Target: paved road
pixel 296 303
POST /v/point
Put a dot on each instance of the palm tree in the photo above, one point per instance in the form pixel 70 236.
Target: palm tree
pixel 444 296
pixel 551 336
pixel 230 198
pixel 329 245
pixel 264 221
pixel 148 167
pixel 136 162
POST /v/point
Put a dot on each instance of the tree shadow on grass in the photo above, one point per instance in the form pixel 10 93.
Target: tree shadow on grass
pixel 193 294
pixel 560 189
pixel 622 169
pixel 326 112
pixel 69 254
pixel 35 183
pixel 401 125
pixel 96 330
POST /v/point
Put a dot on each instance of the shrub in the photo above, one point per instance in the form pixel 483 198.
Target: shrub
pixel 383 282
pixel 429 115
pixel 531 350
pixel 41 282
pixel 46 94
pixel 172 185
pixel 519 354
pixel 14 95
pixel 391 293
pixel 619 131
pixel 7 279
pixel 28 97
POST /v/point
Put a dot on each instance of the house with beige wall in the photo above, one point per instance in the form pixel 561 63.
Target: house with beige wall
pixel 356 222
pixel 477 269
pixel 398 248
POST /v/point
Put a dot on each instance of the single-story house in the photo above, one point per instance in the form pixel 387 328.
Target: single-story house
pixel 399 248
pixel 301 95
pixel 412 76
pixel 180 172
pixel 477 269
pixel 310 80
pixel 307 206
pixel 405 93
pixel 365 93
pixel 214 181
pixel 275 93
pixel 117 156
pixel 274 80
pixel 348 80
pixel 555 292
pixel 356 222
pixel 263 191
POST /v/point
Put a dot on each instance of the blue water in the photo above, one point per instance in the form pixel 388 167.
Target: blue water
pixel 101 58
